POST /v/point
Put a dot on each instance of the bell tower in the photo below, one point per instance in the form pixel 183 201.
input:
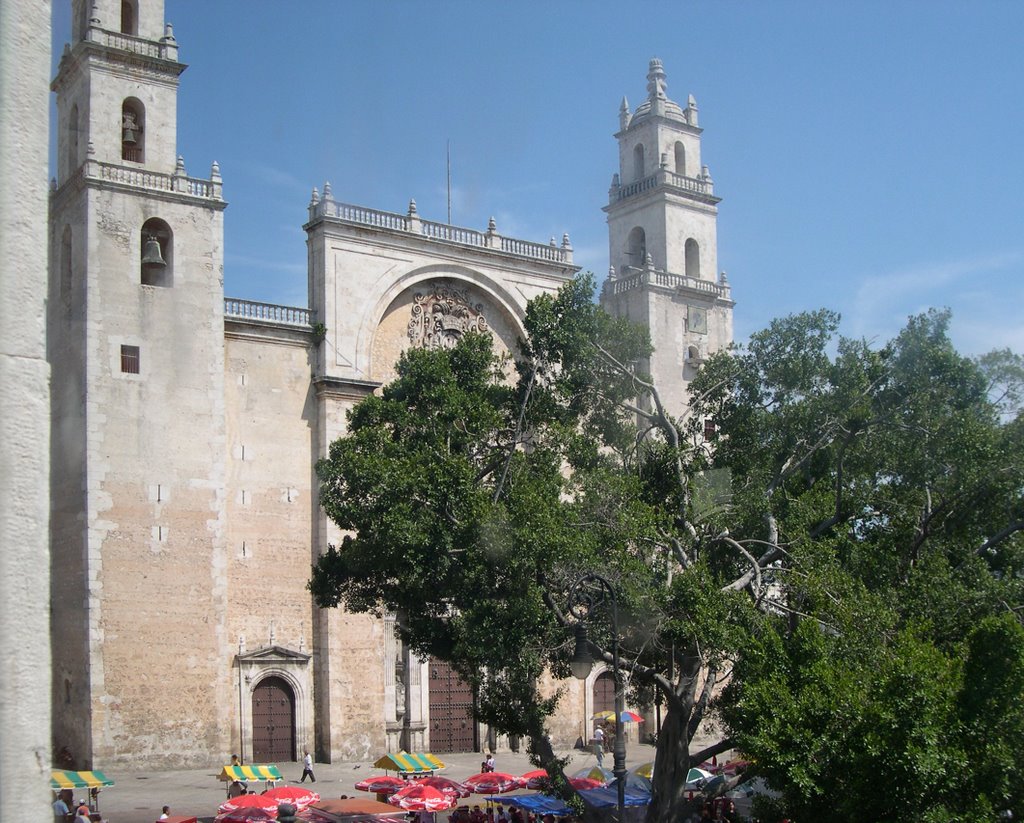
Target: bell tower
pixel 663 248
pixel 135 342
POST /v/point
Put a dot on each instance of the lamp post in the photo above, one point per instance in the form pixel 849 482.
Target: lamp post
pixel 586 594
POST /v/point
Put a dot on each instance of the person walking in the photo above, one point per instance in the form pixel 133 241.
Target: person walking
pixel 307 767
pixel 599 745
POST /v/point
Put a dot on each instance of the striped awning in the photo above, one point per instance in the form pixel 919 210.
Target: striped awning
pixel 252 772
pixel 60 779
pixel 409 762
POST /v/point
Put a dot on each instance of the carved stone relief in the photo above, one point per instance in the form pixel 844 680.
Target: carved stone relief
pixel 443 315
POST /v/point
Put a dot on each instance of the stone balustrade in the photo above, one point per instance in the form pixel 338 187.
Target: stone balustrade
pixel 443 232
pixel 164 49
pixel 153 180
pixel 267 312
pixel 700 187
pixel 632 278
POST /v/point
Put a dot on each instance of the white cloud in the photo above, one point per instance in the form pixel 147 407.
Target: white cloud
pixel 984 294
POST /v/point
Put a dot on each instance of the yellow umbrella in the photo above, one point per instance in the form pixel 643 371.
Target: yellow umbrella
pixel 646 770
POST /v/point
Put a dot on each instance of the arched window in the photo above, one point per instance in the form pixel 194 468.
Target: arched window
pixel 129 18
pixel 692 259
pixel 680 158
pixel 156 248
pixel 65 270
pixel 71 145
pixel 636 248
pixel 133 130
pixel 638 161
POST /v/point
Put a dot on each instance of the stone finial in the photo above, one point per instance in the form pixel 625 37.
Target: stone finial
pixel 691 110
pixel 412 207
pixel 565 241
pixel 648 261
pixel 179 166
pixel 492 225
pixel 241 644
pixel 656 80
pixel 215 171
pixel 611 272
pixel 664 159
pixel 723 278
pixel 328 194
pixel 168 33
pixel 551 242
pixel 705 175
pixel 625 117
pixel 314 197
pixel 94 19
pixel 90 148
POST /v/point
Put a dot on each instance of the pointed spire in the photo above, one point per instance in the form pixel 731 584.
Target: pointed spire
pixel 492 225
pixel 179 166
pixel 565 241
pixel 315 197
pixel 625 117
pixel 215 171
pixel 412 207
pixel 328 194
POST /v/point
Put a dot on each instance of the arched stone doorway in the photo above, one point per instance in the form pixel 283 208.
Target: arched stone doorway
pixel 273 721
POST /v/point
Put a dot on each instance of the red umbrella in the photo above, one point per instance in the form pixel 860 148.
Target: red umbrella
pixel 444 785
pixel 248 802
pixel 580 783
pixel 382 784
pixel 299 797
pixel 419 798
pixel 247 814
pixel 491 783
pixel 537 779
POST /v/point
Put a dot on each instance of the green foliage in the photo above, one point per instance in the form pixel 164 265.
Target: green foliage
pixel 838 546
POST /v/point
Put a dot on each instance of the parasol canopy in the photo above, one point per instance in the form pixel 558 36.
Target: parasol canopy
pixel 419 798
pixel 249 801
pixel 382 784
pixel 60 779
pixel 298 796
pixel 626 717
pixel 409 762
pixel 491 783
pixel 251 814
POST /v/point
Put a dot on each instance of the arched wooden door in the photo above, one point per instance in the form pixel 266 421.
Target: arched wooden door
pixel 273 721
pixel 604 693
pixel 452 728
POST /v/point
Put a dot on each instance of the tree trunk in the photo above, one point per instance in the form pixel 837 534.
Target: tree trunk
pixel 672 764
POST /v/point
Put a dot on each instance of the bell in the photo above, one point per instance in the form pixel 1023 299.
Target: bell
pixel 151 256
pixel 128 136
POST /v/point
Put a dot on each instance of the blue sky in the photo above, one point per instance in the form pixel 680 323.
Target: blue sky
pixel 869 154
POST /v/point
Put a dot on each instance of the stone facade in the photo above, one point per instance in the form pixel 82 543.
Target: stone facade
pixel 185 517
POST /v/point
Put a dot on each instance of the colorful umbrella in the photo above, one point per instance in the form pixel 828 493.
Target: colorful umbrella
pixel 695 778
pixel 596 773
pixel 410 762
pixel 247 814
pixel 419 798
pixel 298 796
pixel 382 784
pixel 627 717
pixel 537 779
pixel 249 802
pixel 444 785
pixel 646 770
pixel 581 783
pixel 491 783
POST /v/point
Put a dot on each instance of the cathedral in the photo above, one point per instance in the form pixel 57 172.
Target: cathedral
pixel 186 424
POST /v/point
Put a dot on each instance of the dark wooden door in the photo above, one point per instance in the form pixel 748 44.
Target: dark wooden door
pixel 273 721
pixel 604 693
pixel 451 711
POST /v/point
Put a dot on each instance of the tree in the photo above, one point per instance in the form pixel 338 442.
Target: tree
pixel 796 555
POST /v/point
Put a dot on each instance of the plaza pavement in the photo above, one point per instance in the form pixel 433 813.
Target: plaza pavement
pixel 138 796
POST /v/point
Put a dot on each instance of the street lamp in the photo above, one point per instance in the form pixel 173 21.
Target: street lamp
pixel 588 592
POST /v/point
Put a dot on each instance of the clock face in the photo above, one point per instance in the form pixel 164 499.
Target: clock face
pixel 697 320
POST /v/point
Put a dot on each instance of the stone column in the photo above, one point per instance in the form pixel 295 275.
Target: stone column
pixel 25 759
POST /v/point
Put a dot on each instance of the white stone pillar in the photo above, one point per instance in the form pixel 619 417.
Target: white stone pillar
pixel 25 760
